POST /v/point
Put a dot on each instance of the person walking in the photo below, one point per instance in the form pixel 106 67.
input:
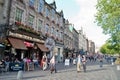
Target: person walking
pixel 44 62
pixel 84 63
pixel 52 63
pixel 101 61
pixel 79 63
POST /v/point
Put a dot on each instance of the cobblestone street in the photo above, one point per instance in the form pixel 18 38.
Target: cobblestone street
pixel 94 72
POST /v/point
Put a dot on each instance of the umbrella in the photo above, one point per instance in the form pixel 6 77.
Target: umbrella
pixel 2 45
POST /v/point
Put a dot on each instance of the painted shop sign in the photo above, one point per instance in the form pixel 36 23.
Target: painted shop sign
pixel 24 37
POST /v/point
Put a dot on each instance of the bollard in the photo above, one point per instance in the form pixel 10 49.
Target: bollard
pixel 20 75
pixel 112 63
pixel 118 67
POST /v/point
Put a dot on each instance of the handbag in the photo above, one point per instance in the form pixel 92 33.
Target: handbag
pixel 52 68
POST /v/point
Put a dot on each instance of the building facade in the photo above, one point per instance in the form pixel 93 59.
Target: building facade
pixel 68 39
pixel 75 41
pixel 83 41
pixel 31 22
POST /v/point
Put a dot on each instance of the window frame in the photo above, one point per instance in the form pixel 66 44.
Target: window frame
pixel 19 14
pixel 31 21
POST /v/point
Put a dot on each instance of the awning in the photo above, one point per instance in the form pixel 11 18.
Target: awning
pixel 42 47
pixel 17 43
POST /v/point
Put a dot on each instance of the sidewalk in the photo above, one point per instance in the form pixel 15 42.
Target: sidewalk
pixel 94 72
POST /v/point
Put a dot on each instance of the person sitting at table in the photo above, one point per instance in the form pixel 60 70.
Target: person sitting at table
pixel 16 60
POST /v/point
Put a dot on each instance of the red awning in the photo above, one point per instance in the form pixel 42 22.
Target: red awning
pixel 17 43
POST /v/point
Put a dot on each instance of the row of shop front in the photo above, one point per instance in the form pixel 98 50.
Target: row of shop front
pixel 19 45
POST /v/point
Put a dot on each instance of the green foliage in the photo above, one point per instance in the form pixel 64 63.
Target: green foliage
pixel 107 48
pixel 108 17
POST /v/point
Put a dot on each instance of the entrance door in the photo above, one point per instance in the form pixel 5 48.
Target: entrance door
pixel 58 54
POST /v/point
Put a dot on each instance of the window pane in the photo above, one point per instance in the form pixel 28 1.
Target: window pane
pixel 47 12
pixel 31 2
pixel 30 20
pixel 39 25
pixel 41 5
pixel 47 28
pixel 19 14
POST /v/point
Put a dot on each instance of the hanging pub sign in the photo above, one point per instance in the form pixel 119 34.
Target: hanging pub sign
pixel 50 43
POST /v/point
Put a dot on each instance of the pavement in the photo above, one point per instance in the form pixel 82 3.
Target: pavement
pixel 94 72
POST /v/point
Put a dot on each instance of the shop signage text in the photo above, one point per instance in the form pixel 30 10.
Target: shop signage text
pixel 24 37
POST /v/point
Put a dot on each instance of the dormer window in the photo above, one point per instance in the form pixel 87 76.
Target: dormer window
pixel 41 6
pixel 47 12
pixel 53 14
pixel 31 3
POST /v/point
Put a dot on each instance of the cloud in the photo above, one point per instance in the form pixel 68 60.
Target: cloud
pixel 85 18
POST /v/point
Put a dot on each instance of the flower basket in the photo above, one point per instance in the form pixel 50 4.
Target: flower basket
pixel 52 37
pixel 61 40
pixel 47 17
pixel 18 23
pixel 46 34
pixel 32 7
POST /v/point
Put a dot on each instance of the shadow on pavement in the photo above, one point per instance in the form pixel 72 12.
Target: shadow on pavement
pixel 62 71
pixel 33 77
pixel 100 69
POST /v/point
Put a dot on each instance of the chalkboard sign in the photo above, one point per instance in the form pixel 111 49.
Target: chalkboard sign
pixel 16 66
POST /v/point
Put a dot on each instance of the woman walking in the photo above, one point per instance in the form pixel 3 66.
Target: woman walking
pixel 52 63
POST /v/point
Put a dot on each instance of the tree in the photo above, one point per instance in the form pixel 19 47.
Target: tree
pixel 107 48
pixel 108 17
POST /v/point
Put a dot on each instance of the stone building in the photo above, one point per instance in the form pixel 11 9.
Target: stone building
pixel 83 41
pixel 68 39
pixel 29 24
pixel 75 41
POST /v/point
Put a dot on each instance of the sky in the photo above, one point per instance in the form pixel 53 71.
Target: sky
pixel 81 13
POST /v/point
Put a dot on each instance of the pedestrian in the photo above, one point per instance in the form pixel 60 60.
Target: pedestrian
pixel 84 63
pixel 79 63
pixel 101 61
pixel 44 62
pixel 52 64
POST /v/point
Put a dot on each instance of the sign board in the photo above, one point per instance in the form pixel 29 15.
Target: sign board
pixel 16 66
pixel 67 62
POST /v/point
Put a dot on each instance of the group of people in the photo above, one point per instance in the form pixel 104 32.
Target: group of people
pixel 45 63
pixel 81 62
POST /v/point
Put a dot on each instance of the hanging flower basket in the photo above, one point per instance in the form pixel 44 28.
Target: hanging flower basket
pixel 32 7
pixel 47 34
pixel 17 23
pixel 52 37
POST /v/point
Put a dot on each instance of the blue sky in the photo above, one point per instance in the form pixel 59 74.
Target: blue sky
pixel 81 13
pixel 69 7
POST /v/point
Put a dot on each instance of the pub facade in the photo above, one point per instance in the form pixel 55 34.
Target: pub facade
pixel 29 24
